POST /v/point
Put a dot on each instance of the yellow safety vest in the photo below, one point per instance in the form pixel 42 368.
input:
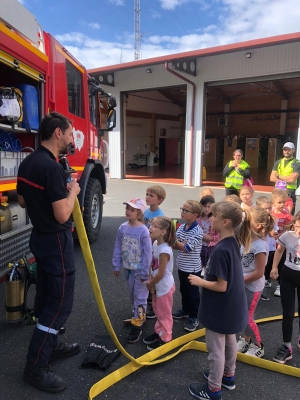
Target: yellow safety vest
pixel 234 179
pixel 286 171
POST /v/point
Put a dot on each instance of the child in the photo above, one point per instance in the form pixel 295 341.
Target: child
pixel 266 203
pixel 210 237
pixel 284 218
pixel 206 191
pixel 161 282
pixel 246 194
pixel 155 195
pixel 133 252
pixel 289 202
pixel 234 198
pixel 189 242
pixel 257 225
pixel 223 308
pixel 289 282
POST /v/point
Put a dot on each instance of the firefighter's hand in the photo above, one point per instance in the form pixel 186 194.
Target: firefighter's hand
pixel 74 186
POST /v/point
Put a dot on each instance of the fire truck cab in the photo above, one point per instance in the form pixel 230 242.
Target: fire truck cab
pixel 49 78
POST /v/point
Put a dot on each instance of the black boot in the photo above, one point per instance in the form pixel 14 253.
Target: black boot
pixel 63 350
pixel 43 379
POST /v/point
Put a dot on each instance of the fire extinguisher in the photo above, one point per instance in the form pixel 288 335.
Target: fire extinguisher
pixel 15 293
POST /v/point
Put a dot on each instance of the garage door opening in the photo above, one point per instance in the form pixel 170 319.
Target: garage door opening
pixel 154 134
pixel 257 117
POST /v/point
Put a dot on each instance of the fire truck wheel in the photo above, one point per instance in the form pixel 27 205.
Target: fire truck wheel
pixel 93 205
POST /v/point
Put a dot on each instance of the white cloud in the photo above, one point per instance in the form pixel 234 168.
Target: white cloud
pixel 117 2
pixel 171 4
pixel 238 21
pixel 155 14
pixel 94 25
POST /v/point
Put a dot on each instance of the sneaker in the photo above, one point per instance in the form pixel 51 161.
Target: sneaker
pixel 134 334
pixel 151 338
pixel 268 283
pixel 191 324
pixel 283 354
pixel 264 298
pixel 156 344
pixel 255 351
pixel 180 314
pixel 201 391
pixel 228 382
pixel 150 313
pixel 277 291
pixel 243 345
pixel 44 379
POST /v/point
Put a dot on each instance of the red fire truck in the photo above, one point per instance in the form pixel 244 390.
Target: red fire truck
pixel 43 76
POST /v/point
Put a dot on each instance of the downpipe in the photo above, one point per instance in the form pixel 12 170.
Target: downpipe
pixel 192 118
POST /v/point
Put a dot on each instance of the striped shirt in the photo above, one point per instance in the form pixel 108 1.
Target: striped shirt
pixel 189 260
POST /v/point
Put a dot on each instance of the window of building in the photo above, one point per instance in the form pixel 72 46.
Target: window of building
pixel 74 81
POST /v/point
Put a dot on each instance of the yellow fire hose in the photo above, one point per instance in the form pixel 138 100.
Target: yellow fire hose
pixel 187 341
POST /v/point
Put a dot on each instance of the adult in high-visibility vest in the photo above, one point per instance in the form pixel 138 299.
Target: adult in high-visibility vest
pixel 287 169
pixel 235 172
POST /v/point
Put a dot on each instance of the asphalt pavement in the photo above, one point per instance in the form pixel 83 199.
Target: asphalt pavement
pixel 169 380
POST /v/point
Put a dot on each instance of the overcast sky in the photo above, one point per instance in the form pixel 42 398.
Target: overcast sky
pixel 101 32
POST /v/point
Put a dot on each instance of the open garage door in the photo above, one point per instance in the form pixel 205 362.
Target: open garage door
pixel 154 134
pixel 257 117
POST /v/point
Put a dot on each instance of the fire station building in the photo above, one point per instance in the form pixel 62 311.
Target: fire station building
pixel 179 113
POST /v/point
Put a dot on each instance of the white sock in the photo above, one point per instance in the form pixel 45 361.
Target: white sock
pixel 288 344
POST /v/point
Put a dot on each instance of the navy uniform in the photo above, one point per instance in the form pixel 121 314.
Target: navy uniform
pixel 41 181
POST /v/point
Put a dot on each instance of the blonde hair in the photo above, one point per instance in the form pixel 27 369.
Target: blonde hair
pixel 279 193
pixel 263 200
pixel 228 210
pixel 159 191
pixel 260 216
pixel 206 191
pixel 234 198
pixel 196 207
pixel 140 215
pixel 247 188
pixel 167 224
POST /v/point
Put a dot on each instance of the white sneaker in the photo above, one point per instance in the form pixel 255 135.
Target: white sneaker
pixel 277 291
pixel 243 345
pixel 255 351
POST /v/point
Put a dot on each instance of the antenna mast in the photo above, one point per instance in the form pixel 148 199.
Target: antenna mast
pixel 137 33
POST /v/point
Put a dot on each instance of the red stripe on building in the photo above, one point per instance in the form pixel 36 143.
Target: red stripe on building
pixel 31 183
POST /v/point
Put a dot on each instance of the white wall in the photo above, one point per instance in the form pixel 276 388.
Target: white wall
pixel 270 61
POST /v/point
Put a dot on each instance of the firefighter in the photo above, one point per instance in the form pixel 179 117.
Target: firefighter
pixel 42 188
pixel 287 169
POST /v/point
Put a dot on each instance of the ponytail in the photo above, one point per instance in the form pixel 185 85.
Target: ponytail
pixel 167 224
pixel 245 231
pixel 261 217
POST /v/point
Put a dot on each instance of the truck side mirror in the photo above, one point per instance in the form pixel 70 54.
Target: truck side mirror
pixel 111 119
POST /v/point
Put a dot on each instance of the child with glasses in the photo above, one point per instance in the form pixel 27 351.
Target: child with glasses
pixel 189 243
pixel 289 283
